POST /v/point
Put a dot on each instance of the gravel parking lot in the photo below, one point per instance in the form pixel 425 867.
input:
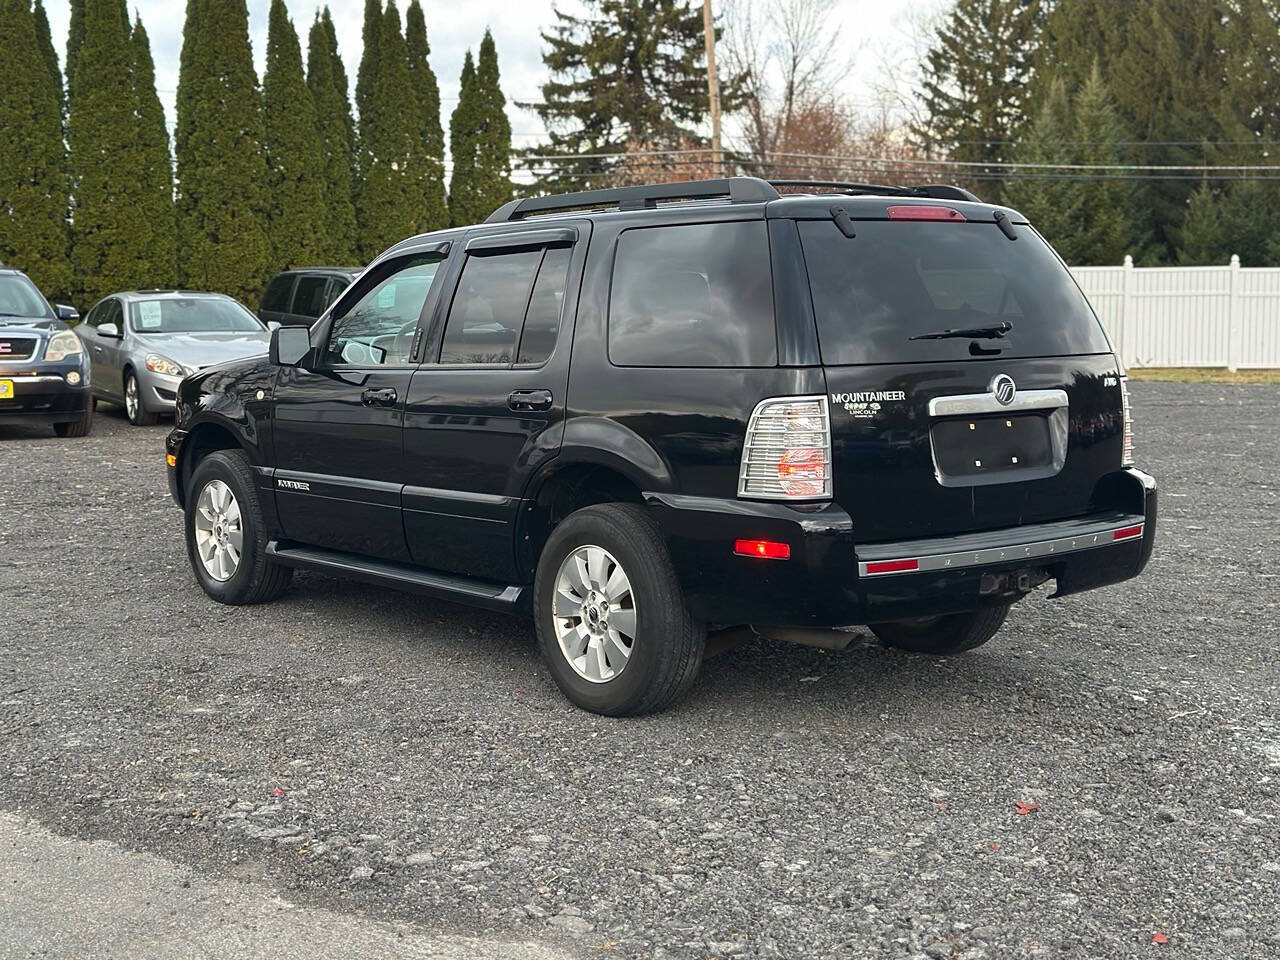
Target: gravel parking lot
pixel 395 759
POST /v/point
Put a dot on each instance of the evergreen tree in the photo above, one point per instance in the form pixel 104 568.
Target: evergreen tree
pixel 158 225
pixel 1106 208
pixel 1204 231
pixel 45 41
pixel 295 152
pixel 222 238
pixel 367 74
pixel 462 150
pixel 976 77
pixel 75 37
pixel 1053 206
pixel 626 71
pixel 427 171
pixel 33 183
pixel 337 244
pixel 489 140
pixel 1077 36
pixel 387 206
pixel 341 83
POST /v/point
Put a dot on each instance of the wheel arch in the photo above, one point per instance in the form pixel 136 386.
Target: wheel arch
pixel 203 439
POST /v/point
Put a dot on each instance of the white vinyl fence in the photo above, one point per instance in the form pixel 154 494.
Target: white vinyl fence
pixel 1188 316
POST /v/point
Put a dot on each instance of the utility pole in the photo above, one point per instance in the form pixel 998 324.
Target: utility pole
pixel 713 87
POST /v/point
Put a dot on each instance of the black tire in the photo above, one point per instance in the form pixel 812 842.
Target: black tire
pixel 668 646
pixel 141 417
pixel 256 579
pixel 941 636
pixel 76 428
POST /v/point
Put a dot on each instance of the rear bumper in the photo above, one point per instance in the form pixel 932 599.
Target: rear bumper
pixel 831 580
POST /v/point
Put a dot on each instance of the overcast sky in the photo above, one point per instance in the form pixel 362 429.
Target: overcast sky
pixel 870 28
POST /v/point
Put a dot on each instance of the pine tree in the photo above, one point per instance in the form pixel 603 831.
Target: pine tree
pixel 462 148
pixel 1204 230
pixel 1077 36
pixel 427 171
pixel 1053 206
pixel 295 152
pixel 33 183
pixel 367 74
pixel 1106 209
pixel 222 238
pixel 340 80
pixel 44 38
pixel 491 137
pixel 75 37
pixel 626 71
pixel 976 77
pixel 337 244
pixel 158 225
pixel 387 208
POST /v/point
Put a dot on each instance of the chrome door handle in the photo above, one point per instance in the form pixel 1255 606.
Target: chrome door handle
pixel 526 400
pixel 385 397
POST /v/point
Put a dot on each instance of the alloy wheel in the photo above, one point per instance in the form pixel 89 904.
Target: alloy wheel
pixel 595 614
pixel 131 399
pixel 218 530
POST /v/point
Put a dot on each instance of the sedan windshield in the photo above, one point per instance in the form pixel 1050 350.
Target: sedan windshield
pixel 20 298
pixel 193 315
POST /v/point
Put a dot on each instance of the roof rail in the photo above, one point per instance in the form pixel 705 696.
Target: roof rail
pixel 935 191
pixel 646 197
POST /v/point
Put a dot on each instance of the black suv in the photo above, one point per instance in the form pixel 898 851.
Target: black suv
pixel 635 413
pixel 298 297
pixel 44 374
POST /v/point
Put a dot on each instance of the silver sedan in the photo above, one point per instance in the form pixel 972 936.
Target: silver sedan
pixel 142 343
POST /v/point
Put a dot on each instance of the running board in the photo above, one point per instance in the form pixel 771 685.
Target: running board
pixel 399 576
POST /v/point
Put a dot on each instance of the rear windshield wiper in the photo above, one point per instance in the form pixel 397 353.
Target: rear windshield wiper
pixel 969 333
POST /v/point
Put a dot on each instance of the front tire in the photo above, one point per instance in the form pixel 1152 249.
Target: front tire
pixel 226 535
pixel 611 619
pixel 945 635
pixel 76 428
pixel 138 415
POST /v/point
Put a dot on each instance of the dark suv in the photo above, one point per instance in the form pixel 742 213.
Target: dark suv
pixel 44 373
pixel 298 297
pixel 635 413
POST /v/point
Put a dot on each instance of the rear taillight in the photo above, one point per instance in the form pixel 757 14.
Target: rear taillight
pixel 1126 456
pixel 787 454
pixel 902 212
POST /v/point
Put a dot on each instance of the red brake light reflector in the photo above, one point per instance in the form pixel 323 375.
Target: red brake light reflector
pixel 901 212
pixel 1128 533
pixel 892 566
pixel 768 549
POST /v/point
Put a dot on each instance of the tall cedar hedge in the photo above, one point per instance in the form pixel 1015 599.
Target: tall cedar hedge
pixel 222 170
pixel 159 225
pixel 295 151
pixel 333 115
pixel 33 181
pixel 480 140
pixel 427 170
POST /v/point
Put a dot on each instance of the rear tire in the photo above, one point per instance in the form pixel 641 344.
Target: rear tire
pixel 635 585
pixel 246 575
pixel 76 428
pixel 945 635
pixel 138 415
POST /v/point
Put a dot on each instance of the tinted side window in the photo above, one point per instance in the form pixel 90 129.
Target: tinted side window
pixel 95 315
pixel 546 305
pixel 693 296
pixel 112 312
pixel 334 291
pixel 379 327
pixel 276 299
pixel 488 308
pixel 308 298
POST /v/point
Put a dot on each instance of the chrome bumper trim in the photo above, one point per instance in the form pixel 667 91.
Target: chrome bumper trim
pixel 971 404
pixel 1085 540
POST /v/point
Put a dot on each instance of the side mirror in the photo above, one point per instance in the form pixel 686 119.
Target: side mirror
pixel 273 324
pixel 66 314
pixel 109 330
pixel 289 346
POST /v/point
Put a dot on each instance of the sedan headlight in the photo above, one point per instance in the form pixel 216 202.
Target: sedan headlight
pixel 61 345
pixel 164 366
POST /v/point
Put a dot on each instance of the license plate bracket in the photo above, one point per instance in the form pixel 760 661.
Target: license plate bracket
pixel 981 450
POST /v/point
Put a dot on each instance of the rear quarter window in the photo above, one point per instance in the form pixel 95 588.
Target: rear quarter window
pixel 697 295
pixel 901 279
pixel 276 297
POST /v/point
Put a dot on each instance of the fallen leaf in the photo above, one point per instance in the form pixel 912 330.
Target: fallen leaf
pixel 1159 937
pixel 995 846
pixel 1023 807
pixel 942 805
pixel 277 792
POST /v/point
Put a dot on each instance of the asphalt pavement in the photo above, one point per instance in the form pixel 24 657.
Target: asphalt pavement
pixel 383 772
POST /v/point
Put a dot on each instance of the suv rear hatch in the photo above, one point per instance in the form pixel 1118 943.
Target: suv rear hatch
pixel 971 386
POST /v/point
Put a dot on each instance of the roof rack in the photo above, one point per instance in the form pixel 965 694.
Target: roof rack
pixel 934 191
pixel 734 189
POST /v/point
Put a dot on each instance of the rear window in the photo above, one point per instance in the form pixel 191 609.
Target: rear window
pixel 276 299
pixel 693 296
pixel 309 299
pixel 901 279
